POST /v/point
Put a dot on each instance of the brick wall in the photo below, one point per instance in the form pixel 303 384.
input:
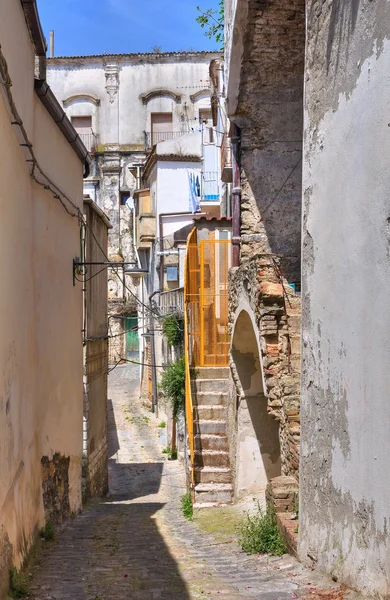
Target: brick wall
pixel 277 314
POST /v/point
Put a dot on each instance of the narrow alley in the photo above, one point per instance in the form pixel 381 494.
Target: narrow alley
pixel 136 544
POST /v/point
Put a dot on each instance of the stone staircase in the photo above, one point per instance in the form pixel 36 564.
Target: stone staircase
pixel 213 480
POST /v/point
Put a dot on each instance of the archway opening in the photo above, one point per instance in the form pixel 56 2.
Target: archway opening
pixel 258 443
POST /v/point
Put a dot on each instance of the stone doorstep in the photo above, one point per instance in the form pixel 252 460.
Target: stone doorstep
pixel 212 458
pixel 213 475
pixel 211 398
pixel 206 412
pixel 211 442
pixel 210 385
pixel 222 373
pixel 215 493
pixel 205 426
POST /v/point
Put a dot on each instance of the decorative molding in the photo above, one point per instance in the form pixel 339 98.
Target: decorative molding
pixel 111 71
pixel 199 94
pixel 158 93
pixel 86 97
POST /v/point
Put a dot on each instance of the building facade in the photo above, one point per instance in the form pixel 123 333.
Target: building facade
pixel 95 331
pixel 41 392
pixel 344 490
pixel 122 106
pixel 261 159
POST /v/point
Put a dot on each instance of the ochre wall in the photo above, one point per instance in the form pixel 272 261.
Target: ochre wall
pixel 41 311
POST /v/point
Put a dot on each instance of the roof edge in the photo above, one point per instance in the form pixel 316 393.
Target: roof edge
pixel 31 15
pixel 135 55
pixel 57 113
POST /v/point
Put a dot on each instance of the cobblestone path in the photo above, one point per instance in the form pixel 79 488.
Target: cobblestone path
pixel 136 545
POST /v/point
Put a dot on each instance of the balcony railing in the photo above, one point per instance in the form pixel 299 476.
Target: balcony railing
pixel 172 302
pixel 154 137
pixel 226 160
pixel 210 186
pixel 89 140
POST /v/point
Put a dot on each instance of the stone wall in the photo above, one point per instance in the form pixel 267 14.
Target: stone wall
pixel 276 311
pixel 265 57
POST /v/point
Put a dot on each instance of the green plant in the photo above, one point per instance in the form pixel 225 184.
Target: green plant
pixel 214 20
pixel 162 424
pixel 47 532
pixel 173 330
pixel 173 385
pixel 19 583
pixel 260 535
pixel 172 454
pixel 186 506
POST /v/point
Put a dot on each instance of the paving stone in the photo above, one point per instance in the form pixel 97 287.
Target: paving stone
pixel 136 545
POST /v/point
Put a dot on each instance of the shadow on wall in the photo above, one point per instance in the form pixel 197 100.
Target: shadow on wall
pixel 258 445
pixel 342 23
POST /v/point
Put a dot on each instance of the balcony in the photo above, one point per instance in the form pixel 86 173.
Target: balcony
pixel 226 160
pixel 146 224
pixel 154 137
pixel 89 140
pixel 210 186
pixel 172 302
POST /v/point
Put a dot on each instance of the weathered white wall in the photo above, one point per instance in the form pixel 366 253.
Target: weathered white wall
pixel 345 487
pixel 182 74
pixel 173 186
pixel 41 311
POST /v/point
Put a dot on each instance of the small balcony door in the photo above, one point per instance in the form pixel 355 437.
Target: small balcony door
pixel 161 127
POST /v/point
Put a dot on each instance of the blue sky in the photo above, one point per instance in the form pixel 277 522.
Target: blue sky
pixel 121 26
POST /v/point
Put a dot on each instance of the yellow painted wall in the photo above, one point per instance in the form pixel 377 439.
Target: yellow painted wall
pixel 41 361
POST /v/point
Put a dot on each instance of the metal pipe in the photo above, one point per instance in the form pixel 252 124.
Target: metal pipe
pixel 52 44
pixel 236 193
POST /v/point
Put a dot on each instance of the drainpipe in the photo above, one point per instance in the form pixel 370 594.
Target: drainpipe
pixel 236 193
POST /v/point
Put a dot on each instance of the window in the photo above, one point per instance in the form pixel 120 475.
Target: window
pixel 82 124
pixel 124 196
pixel 172 274
pixel 205 117
pixel 161 127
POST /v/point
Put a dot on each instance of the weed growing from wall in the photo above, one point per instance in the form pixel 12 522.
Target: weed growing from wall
pixel 259 533
pixel 173 330
pixel 19 583
pixel 173 385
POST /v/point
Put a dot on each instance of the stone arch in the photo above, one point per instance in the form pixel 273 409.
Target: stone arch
pixel 258 445
pixel 158 93
pixel 199 95
pixel 81 98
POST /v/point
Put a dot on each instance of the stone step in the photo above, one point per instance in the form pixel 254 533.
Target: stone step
pixel 210 413
pixel 212 475
pixel 214 493
pixel 210 427
pixel 211 442
pixel 210 398
pixel 210 385
pixel 211 458
pixel 213 372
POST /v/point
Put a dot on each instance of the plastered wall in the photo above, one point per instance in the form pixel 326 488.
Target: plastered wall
pixel 345 488
pixel 41 311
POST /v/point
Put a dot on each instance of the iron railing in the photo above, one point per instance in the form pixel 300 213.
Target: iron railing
pixel 89 140
pixel 172 301
pixel 154 137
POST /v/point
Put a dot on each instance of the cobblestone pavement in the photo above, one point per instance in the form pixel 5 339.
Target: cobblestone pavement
pixel 136 544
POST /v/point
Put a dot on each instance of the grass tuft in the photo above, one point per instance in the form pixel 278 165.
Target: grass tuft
pixel 47 532
pixel 19 583
pixel 259 533
pixel 186 506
